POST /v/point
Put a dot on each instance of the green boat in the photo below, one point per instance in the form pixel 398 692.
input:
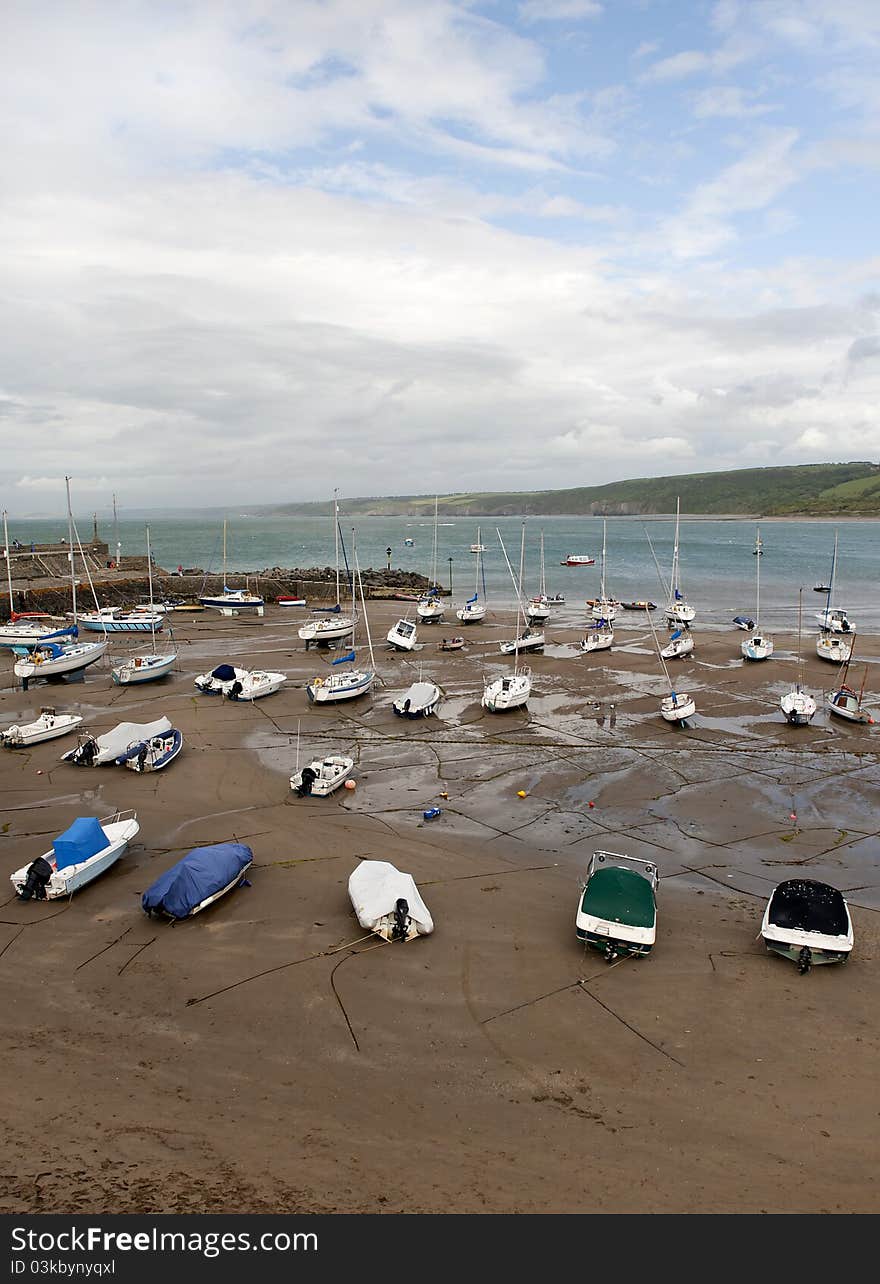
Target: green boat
pixel 617 910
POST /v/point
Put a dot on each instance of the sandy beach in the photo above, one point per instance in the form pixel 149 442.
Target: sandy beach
pixel 266 1057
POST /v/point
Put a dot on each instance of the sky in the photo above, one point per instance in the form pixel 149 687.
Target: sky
pixel 258 251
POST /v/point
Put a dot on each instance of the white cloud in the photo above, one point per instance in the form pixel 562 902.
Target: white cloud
pixel 558 10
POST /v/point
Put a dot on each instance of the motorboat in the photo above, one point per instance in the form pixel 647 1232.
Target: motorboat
pixel 808 922
pixel 599 638
pixel 680 643
pixel 387 902
pixel 420 701
pixel 78 856
pixel 409 541
pixel 557 599
pixel 49 725
pixel 239 684
pixel 197 881
pixel 835 620
pixel 744 622
pixel 153 754
pixel 322 776
pixel 104 749
pixel 639 606
pixel 403 635
pixel 287 599
pixel 578 559
pixel 451 644
pixel 111 619
pixel 617 908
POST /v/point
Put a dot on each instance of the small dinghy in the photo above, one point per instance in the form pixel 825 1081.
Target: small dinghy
pixel 388 903
pixel 97 751
pixel 528 640
pixel 680 643
pixel 239 684
pixel 420 701
pixel 617 909
pixel 79 855
pixel 152 754
pixel 557 599
pixel 639 606
pixel 321 776
pixel 744 622
pixel 451 644
pixel 808 922
pixel 49 725
pixel 285 599
pixel 198 880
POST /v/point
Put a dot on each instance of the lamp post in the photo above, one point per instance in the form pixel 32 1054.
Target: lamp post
pixel 388 557
pixel 450 575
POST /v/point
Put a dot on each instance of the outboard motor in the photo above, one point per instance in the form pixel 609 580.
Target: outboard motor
pixel 234 691
pixel 38 876
pixel 85 753
pixel 401 920
pixel 308 777
pixel 142 757
pixel 610 952
pixel 805 960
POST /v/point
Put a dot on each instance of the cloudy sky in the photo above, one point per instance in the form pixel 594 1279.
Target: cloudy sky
pixel 257 250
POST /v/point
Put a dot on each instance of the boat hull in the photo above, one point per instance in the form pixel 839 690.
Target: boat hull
pixel 72 878
pixel 75 658
pixel 420 701
pixel 507 693
pixel 471 614
pixel 46 727
pixel 326 630
pixel 330 773
pixel 143 668
pixel 339 687
pixel 798 708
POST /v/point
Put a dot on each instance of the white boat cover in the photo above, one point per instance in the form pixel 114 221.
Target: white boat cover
pixel 113 743
pixel 375 888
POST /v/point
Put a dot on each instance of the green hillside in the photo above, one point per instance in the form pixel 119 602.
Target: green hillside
pixel 851 489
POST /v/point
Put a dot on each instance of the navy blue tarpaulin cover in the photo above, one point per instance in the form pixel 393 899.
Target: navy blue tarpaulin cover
pixel 200 874
pixel 85 838
pixel 223 673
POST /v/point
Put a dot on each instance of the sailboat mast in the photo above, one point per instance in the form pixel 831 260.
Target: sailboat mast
pixel 673 583
pixel 520 612
pixel 357 568
pixel 116 532
pixel 758 585
pixel 800 668
pixel 602 584
pixel 336 546
pixel 70 547
pixel 434 553
pixel 8 561
pixel 477 566
pixel 224 554
pixel 543 588
pixel 150 582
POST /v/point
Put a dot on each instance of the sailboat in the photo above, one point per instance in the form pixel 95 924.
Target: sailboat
pixel 333 625
pixel 844 702
pixel 25 630
pixel 474 611
pixel 604 608
pixel 510 692
pixel 50 658
pixel 233 599
pixel 348 683
pixel 538 610
pixel 758 646
pixel 677 609
pixel 678 705
pixel 834 619
pixel 144 667
pixel 430 608
pixel 797 704
pixel 599 637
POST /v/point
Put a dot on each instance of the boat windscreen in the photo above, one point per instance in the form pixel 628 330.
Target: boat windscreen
pixel 810 907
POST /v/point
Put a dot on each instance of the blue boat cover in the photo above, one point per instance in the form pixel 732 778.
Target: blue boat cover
pixel 223 673
pixel 344 659
pixel 72 632
pixel 85 838
pixel 200 874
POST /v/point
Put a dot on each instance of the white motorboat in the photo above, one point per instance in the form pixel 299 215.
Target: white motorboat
pixel 758 646
pixel 322 776
pixel 387 902
pixel 49 725
pixel 350 683
pixel 85 850
pixel 99 751
pixel 420 701
pixel 578 559
pixel 145 666
pixel 798 706
pixel 836 620
pixel 677 609
pixel 474 610
pixel 153 754
pixel 403 635
pixel 808 922
pixel 599 638
pixel 430 608
pixel 240 684
pixel 681 643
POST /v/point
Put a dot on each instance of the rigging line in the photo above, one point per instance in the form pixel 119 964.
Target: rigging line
pixel 102 951
pixel 140 949
pixel 278 968
pixel 354 954
pixel 10 941
pixel 637 1033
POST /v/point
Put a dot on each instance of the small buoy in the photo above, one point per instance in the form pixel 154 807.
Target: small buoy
pixel 521 793
pixel 444 795
pixel 350 784
pixel 793 816
pixel 39 773
pixel 589 804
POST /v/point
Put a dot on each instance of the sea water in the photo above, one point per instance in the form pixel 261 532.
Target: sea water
pixel 717 566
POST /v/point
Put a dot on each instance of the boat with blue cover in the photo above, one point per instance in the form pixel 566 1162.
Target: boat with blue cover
pixel 198 880
pixel 78 856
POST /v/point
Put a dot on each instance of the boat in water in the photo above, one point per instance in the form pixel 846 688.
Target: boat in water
pixel 387 902
pixel 808 922
pixel 78 856
pixel 197 881
pixel 578 559
pixel 49 725
pixel 744 622
pixel 617 908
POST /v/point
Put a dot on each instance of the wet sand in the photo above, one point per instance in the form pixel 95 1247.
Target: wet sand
pixel 264 1057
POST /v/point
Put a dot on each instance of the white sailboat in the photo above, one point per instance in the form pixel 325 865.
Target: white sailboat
pixel 599 637
pixel 680 643
pixel 511 691
pixel 604 608
pixel 348 683
pixel 237 600
pixel 678 705
pixel 844 701
pixel 834 619
pixel 677 609
pixel 29 630
pixel 538 609
pixel 430 608
pixel 474 611
pixel 333 625
pixel 51 658
pixel 797 704
pixel 145 666
pixel 758 646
